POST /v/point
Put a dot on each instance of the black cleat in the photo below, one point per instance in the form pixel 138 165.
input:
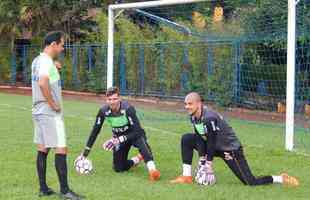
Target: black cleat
pixel 47 192
pixel 71 195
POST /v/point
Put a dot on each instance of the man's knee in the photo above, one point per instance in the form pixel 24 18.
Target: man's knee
pixel 120 168
pixel 187 139
pixel 61 150
pixel 42 148
pixel 144 148
pixel 249 181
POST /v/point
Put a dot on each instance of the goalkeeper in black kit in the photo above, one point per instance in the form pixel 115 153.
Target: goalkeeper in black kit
pixel 214 137
pixel 126 132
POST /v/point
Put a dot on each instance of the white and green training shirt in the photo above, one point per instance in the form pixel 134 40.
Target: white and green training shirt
pixel 43 65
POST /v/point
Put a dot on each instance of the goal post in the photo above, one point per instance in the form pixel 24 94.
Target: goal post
pixel 290 81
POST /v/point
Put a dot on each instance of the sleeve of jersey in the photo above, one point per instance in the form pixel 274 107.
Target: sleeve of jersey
pixel 95 132
pixel 211 141
pixel 45 66
pixel 136 129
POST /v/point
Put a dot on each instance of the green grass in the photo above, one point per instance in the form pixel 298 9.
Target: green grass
pixel 263 146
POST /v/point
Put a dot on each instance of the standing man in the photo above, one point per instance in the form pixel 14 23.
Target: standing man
pixel 49 129
pixel 127 132
pixel 214 137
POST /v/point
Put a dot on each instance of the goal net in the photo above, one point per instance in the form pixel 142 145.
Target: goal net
pixel 233 52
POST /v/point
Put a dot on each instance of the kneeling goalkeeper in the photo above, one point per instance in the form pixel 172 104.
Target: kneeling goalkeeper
pixel 127 132
pixel 214 137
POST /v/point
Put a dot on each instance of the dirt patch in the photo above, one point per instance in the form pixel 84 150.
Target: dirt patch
pixel 170 105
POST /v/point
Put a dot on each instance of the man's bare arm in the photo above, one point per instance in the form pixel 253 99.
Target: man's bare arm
pixel 44 86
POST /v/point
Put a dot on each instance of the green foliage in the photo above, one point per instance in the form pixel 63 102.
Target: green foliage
pixel 5 64
pixel 92 80
pixel 100 36
pixel 66 71
pixel 259 63
pixel 167 34
pixel 220 83
pixel 265 19
pixel 8 21
pixel 125 31
pixel 198 64
pixel 128 32
pixel 172 68
pixel 21 18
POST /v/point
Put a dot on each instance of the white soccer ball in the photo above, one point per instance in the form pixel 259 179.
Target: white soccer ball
pixel 83 166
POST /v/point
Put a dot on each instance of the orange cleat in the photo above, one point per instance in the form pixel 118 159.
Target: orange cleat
pixel 182 180
pixel 154 175
pixel 289 180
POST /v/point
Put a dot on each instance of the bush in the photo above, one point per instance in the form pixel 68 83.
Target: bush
pixel 5 64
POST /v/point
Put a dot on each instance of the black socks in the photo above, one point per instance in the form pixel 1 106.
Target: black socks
pixel 61 168
pixel 41 170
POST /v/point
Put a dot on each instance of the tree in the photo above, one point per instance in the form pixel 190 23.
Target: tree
pixel 30 18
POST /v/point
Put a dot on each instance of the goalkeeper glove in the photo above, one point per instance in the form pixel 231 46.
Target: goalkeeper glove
pixel 210 179
pixel 114 143
pixel 205 174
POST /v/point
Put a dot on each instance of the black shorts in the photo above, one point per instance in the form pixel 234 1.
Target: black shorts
pixel 120 155
pixel 234 159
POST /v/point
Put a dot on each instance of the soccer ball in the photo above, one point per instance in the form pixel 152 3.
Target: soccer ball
pixel 83 165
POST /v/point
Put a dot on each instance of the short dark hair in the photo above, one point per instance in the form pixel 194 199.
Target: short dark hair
pixel 53 36
pixel 111 91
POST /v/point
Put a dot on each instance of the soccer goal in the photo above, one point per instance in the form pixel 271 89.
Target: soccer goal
pixel 237 54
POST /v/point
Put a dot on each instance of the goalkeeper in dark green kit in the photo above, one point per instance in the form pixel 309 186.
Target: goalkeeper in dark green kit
pixel 212 136
pixel 126 132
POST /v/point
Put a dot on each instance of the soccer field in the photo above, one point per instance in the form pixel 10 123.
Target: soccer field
pixel 263 144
